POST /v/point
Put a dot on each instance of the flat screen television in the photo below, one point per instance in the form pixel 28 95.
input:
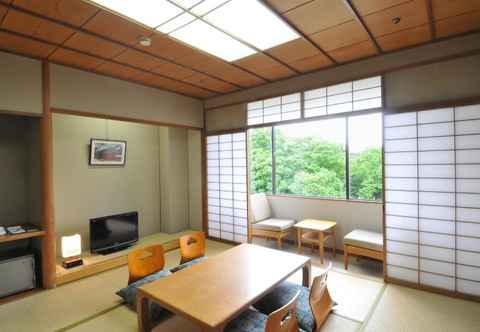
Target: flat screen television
pixel 112 233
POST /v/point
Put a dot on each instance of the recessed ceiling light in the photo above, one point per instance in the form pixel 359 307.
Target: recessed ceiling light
pixel 145 41
pixel 211 40
pixel 151 13
pixel 252 22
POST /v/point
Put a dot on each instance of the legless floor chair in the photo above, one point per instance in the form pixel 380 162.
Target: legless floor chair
pixel 263 224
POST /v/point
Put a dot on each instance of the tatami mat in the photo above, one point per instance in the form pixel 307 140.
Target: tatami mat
pixel 403 309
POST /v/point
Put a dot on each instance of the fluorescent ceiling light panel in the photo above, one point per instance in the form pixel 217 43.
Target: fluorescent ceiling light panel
pixel 205 37
pixel 187 3
pixel 176 23
pixel 252 22
pixel 152 13
pixel 206 6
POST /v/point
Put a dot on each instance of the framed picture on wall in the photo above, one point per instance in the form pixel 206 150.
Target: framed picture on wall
pixel 107 152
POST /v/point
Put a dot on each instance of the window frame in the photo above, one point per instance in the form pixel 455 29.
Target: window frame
pixel 347 158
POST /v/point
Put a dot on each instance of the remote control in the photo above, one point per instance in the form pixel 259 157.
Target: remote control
pixel 2 230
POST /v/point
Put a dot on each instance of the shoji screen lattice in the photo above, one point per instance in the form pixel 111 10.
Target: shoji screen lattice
pixel 227 187
pixel 432 198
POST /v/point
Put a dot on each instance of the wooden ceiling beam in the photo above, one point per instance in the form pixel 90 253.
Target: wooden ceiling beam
pixel 105 60
pixel 108 39
pixel 297 30
pixel 431 19
pixel 350 6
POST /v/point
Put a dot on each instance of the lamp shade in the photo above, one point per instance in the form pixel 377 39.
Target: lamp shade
pixel 71 246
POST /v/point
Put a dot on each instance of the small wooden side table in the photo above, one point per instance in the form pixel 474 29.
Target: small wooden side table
pixel 316 232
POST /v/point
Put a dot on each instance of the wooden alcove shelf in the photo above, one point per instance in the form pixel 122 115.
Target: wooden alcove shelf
pixel 21 236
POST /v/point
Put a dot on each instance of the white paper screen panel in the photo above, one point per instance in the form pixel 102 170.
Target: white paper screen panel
pixel 274 109
pixel 432 197
pixel 227 187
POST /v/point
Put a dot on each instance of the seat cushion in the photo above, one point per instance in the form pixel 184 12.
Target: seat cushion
pixel 260 207
pixel 281 295
pixel 274 224
pixel 364 239
pixel 248 321
pixel 188 264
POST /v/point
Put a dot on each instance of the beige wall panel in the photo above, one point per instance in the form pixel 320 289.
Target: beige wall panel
pixel 442 81
pixel 78 90
pixel 195 179
pixel 349 215
pixel 20 84
pixel 229 117
pixel 83 192
pixel 354 70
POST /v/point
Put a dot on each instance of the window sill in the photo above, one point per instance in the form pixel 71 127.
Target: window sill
pixel 326 199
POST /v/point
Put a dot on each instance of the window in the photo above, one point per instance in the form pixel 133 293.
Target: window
pixel 310 158
pixel 365 152
pixel 346 97
pixel 274 109
pixel 261 160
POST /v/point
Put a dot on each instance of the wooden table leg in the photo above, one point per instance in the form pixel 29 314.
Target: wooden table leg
pixel 142 312
pixel 307 274
pixel 299 240
pixel 334 234
pixel 321 247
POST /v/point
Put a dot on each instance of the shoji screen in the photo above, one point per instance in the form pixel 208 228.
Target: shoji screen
pixel 432 198
pixel 227 187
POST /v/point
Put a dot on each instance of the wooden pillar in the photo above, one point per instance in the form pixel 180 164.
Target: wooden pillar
pixel 48 241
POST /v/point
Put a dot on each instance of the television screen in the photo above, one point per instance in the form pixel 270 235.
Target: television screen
pixel 113 232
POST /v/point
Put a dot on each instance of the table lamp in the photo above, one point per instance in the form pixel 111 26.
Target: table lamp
pixel 72 251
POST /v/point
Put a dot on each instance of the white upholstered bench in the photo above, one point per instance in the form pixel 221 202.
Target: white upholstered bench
pixel 362 243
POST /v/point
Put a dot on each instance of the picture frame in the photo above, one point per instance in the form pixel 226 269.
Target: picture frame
pixel 107 152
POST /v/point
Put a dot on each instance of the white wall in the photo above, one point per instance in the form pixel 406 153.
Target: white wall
pixel 349 215
pixel 20 84
pixel 82 91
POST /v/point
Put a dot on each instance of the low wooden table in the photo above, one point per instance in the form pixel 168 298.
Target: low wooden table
pixel 215 291
pixel 316 232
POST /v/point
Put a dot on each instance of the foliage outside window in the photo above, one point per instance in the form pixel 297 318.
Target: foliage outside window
pixel 311 158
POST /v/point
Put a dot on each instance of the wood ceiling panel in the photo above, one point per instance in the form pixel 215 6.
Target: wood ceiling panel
pixel 174 71
pixel 286 5
pixel 36 27
pixel 443 9
pixel 116 28
pixel 124 72
pixel 294 50
pixel 168 48
pixel 458 24
pixel 3 11
pixel 319 15
pixel 265 66
pixel 412 14
pixel 6 1
pixel 405 38
pixel 96 46
pixel 139 59
pixel 75 59
pixel 25 46
pixel 366 7
pixel 210 83
pixel 311 63
pixel 354 52
pixel 220 69
pixel 75 12
pixel 342 35
pixel 165 83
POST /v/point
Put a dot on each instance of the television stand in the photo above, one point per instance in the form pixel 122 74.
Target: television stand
pixel 113 250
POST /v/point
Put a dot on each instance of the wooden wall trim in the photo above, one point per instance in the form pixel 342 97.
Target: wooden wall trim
pixel 121 118
pixel 48 225
pixel 17 113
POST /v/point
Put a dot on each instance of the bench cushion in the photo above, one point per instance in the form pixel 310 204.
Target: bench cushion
pixel 364 239
pixel 248 321
pixel 274 224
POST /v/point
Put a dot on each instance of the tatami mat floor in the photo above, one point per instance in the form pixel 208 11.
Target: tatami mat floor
pixel 365 303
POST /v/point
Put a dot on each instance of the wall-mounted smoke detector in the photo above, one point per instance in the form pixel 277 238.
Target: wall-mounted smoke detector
pixel 145 41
